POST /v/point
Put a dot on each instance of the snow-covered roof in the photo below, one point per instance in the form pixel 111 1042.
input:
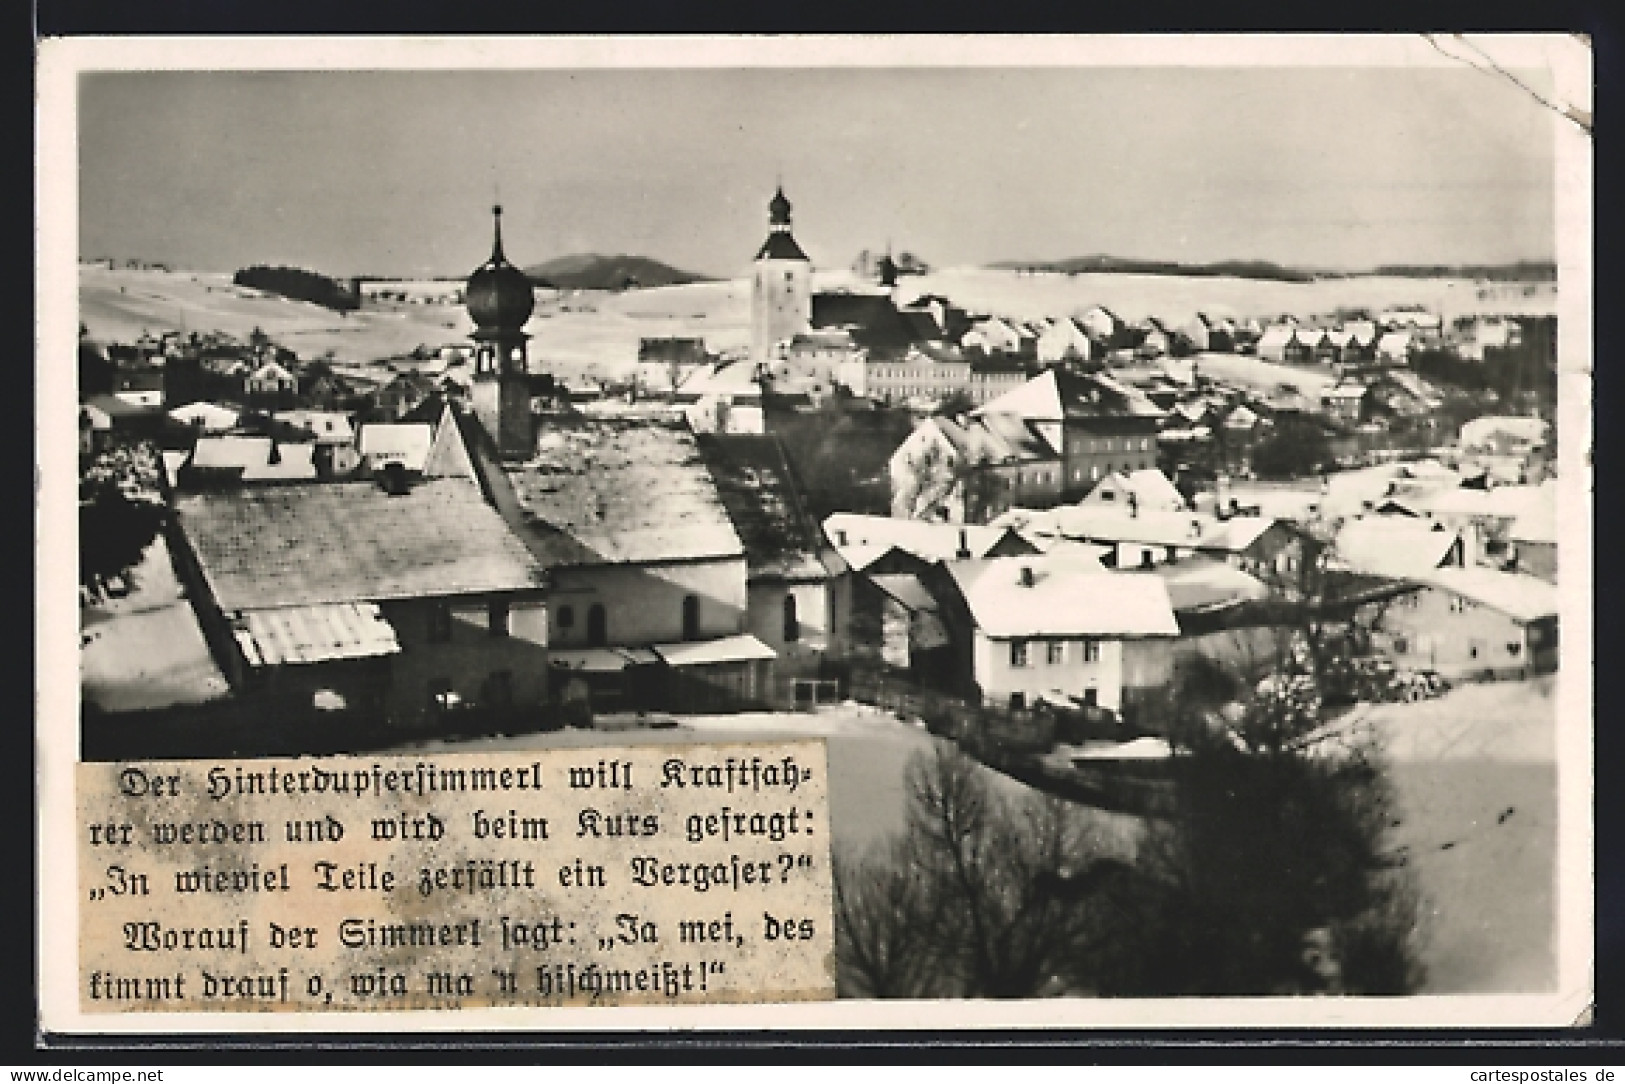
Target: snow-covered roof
pixel 1481 431
pixel 860 539
pixel 253 456
pixel 1005 603
pixel 206 416
pixel 1394 546
pixel 1522 598
pixel 406 443
pixel 1150 489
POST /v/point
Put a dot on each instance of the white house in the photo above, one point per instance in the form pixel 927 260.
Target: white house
pixel 1064 340
pixel 1100 323
pixel 406 443
pixel 993 335
pixel 1056 629
pixel 1272 344
pixel 206 417
pixel 327 426
pixel 1144 490
pixel 271 379
pixel 1395 347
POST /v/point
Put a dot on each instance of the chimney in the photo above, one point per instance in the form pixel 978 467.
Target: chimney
pixel 963 553
pixel 1025 577
pixel 393 479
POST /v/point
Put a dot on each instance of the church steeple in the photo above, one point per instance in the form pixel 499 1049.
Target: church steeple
pixel 781 289
pixel 500 299
pixel 778 211
pixel 496 235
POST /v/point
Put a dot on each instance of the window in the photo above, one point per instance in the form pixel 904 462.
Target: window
pixel 1018 653
pixel 1018 701
pixel 1057 652
pixel 1091 698
pixel 792 624
pixel 691 617
pixel 1091 651
pixel 439 623
pixel 497 619
pixel 597 626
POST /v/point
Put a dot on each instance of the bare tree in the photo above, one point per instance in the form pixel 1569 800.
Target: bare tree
pixel 984 895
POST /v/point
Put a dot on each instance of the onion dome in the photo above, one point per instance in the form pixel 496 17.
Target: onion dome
pixel 778 210
pixel 499 295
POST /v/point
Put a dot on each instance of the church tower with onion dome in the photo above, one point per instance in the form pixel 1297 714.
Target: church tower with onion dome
pixel 781 291
pixel 500 299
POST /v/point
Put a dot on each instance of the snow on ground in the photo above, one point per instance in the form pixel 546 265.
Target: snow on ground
pixel 1476 779
pixel 596 333
pixel 1175 297
pixel 1265 377
pixel 1459 764
pixel 868 755
pixel 145 650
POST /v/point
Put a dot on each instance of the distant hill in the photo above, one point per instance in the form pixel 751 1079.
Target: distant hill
pixel 1102 264
pixel 1521 271
pixel 592 271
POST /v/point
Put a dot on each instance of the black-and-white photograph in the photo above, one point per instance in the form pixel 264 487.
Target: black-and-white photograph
pixel 1145 476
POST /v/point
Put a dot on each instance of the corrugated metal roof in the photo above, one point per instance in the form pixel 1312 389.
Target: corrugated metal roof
pixel 295 635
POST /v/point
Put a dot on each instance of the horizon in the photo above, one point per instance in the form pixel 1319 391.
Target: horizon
pixel 392 174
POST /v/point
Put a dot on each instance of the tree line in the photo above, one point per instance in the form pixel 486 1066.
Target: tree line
pixel 299 284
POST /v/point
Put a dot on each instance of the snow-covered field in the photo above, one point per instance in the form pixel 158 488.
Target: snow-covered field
pixel 1177 298
pixel 1476 786
pixel 597 333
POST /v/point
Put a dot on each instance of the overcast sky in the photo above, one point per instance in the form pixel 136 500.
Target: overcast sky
pixel 393 173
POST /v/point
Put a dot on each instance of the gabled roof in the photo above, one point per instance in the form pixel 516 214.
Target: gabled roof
pixel 1105 523
pixel 1038 400
pixel 1482 430
pixel 930 542
pixel 1016 438
pixel 1522 598
pixel 1275 336
pixel 612 490
pixel 1151 489
pixel 404 442
pixel 1067 602
pixel 206 416
pixel 1198 584
pixel 907 589
pixel 1394 546
pixel 1236 533
pixel 759 489
pixel 257 459
pixel 327 426
pixel 781 246
pixel 335 542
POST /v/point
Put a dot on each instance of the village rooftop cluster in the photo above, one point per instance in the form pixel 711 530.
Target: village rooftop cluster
pixel 1064 510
